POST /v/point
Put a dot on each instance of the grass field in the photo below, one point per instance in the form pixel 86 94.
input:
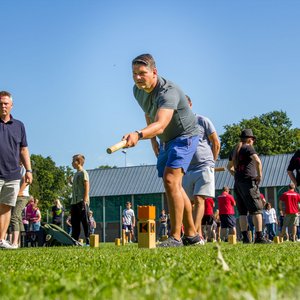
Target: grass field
pixel 110 272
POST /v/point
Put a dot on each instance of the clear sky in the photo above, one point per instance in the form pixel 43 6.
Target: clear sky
pixel 68 65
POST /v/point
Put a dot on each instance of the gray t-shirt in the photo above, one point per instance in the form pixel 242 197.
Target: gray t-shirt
pixel 203 156
pixel 167 95
pixel 78 186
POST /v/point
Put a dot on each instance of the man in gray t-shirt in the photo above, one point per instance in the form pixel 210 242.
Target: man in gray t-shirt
pixel 169 117
pixel 199 181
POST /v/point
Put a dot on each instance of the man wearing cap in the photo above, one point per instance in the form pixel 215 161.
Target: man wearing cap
pixel 169 117
pixel 13 148
pixel 245 165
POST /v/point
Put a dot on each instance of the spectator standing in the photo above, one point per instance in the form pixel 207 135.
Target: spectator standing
pixel 69 224
pixel 35 218
pixel 13 148
pixel 163 223
pixel 226 205
pixel 270 220
pixel 128 221
pixel 199 180
pixel 208 218
pixel 16 212
pixel 80 199
pixel 92 222
pixel 57 213
pixel 245 165
pixel 291 200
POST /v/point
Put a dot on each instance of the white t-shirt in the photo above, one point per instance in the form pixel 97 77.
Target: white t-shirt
pixel 128 214
pixel 270 216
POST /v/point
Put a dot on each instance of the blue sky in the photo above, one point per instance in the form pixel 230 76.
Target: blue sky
pixel 68 65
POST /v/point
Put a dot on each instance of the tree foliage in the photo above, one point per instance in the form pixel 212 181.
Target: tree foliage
pixel 273 131
pixel 50 182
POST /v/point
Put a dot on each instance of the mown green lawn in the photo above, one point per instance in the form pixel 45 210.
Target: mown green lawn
pixel 110 272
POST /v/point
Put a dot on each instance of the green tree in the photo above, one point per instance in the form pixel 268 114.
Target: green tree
pixel 106 167
pixel 50 182
pixel 273 131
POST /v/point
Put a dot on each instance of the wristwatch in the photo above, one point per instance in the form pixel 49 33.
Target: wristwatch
pixel 140 134
pixel 28 171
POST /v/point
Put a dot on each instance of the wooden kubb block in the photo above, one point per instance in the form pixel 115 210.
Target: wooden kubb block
pixel 94 240
pixel 146 234
pixel 232 239
pixel 146 213
pixel 277 240
pixel 117 242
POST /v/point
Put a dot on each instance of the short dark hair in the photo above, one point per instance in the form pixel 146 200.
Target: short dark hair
pixel 145 59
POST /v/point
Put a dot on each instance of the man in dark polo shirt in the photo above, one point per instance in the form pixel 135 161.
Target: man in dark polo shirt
pixel 169 117
pixel 13 148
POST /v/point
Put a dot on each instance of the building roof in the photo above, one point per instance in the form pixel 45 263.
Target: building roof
pixel 144 180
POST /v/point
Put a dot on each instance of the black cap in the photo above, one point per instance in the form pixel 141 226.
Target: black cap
pixel 247 133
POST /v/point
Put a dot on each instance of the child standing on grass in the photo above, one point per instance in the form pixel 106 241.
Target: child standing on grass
pixel 128 221
pixel 80 199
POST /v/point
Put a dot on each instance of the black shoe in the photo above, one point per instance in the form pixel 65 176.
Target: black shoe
pixel 262 241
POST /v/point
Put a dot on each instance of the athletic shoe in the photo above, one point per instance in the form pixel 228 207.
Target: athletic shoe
pixel 246 241
pixel 170 242
pixel 193 240
pixel 262 241
pixel 6 245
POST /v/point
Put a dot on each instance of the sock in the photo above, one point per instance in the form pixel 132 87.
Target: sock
pixel 258 235
pixel 245 236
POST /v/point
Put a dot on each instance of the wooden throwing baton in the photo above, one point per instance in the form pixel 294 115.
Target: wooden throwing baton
pixel 116 147
pixel 220 169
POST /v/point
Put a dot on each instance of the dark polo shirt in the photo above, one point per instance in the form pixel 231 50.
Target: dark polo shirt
pixel 12 138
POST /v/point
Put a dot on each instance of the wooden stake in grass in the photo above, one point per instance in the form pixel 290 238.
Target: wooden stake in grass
pixel 221 260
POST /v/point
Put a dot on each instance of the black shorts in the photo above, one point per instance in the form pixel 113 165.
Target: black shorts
pixel 207 220
pixel 248 197
pixel 227 221
pixel 128 227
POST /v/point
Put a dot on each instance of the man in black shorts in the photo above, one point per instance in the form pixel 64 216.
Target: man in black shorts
pixel 245 165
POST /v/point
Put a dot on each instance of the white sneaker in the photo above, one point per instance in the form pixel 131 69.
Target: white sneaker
pixel 6 245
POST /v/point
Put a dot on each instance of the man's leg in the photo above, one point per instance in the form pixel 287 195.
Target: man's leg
pixel 16 219
pixel 4 219
pixel 177 199
pixel 198 213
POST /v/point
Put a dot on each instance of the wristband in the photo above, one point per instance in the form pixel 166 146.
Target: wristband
pixel 28 171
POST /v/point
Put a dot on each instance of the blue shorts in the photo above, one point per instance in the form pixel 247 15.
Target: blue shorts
pixel 176 153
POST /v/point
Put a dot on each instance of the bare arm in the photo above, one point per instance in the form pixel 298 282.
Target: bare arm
pixel 214 139
pixel 162 120
pixel 154 143
pixel 86 191
pixel 25 159
pixel 23 186
pixel 292 176
pixel 258 167
pixel 230 167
